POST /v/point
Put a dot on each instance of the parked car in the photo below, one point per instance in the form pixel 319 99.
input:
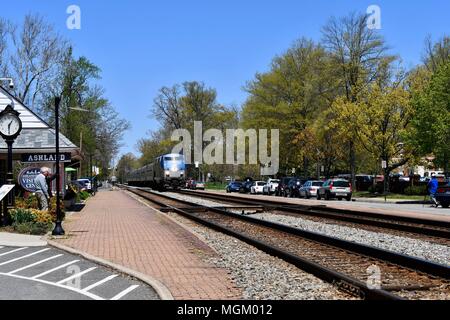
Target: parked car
pixel 293 187
pixel 309 189
pixel 246 186
pixel 282 186
pixel 443 195
pixel 86 183
pixel 335 188
pixel 234 187
pixel 271 186
pixel 257 187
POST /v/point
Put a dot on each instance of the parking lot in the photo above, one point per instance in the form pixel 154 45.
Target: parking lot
pixel 46 273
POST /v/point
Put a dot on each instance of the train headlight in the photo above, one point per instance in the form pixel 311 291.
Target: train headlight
pixel 167 172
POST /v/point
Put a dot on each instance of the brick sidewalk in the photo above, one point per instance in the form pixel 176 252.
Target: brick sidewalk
pixel 116 227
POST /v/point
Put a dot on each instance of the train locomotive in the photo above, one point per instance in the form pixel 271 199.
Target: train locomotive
pixel 165 172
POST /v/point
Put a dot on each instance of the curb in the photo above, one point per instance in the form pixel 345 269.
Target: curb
pixel 162 291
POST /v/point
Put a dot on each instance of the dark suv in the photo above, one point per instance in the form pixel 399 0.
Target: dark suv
pixel 335 188
pixel 246 187
pixel 282 186
pixel 293 187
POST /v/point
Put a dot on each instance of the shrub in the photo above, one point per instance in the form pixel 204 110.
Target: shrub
pixel 84 195
pixel 416 191
pixel 40 228
pixel 42 216
pixel 21 215
pixel 23 227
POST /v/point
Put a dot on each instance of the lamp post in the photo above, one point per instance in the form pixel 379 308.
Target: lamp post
pixel 58 231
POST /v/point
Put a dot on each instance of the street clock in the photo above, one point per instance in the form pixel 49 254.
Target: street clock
pixel 10 123
pixel 10 129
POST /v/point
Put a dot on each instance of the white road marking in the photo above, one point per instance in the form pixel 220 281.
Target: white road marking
pixel 124 292
pixel 76 275
pixel 23 257
pixel 88 294
pixel 35 264
pixel 92 286
pixel 12 251
pixel 54 269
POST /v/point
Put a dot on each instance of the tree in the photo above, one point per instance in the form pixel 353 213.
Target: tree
pixel 430 133
pixel 290 97
pixel 436 54
pixel 382 116
pixel 35 58
pixel 126 164
pixel 360 58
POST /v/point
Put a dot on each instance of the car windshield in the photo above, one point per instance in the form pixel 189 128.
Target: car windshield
pixel 275 181
pixel 343 184
pixel 261 183
pixel 317 184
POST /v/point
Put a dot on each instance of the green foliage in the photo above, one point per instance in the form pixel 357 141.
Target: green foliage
pixel 431 129
pixel 84 195
pixel 20 215
pixel 416 191
pixel 31 221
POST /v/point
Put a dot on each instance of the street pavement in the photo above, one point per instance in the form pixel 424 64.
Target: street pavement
pixel 46 273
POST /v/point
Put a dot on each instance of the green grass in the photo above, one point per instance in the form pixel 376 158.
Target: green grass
pixel 393 196
pixel 215 186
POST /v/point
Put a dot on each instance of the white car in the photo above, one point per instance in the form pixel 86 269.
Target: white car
pixel 257 187
pixel 271 186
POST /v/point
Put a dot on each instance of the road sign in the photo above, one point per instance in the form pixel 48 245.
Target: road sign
pixel 384 164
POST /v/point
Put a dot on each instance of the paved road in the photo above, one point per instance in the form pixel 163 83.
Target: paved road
pixel 46 273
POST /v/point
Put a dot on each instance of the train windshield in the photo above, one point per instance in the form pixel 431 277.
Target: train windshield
pixel 173 158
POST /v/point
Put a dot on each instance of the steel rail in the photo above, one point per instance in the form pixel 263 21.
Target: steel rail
pixel 342 280
pixel 414 225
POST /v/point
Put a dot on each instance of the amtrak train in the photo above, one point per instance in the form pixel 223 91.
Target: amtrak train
pixel 166 171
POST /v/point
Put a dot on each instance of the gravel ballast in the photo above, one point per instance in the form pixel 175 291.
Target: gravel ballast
pixel 413 247
pixel 261 276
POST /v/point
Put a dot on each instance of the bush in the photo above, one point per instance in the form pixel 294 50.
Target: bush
pixel 21 215
pixel 31 221
pixel 84 195
pixel 416 191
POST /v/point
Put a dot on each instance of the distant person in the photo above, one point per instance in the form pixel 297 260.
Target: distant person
pixel 42 188
pixel 432 190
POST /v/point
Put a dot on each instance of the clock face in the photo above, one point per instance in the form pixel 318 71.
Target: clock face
pixel 9 125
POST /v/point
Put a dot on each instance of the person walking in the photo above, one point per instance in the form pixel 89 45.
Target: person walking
pixel 432 189
pixel 42 188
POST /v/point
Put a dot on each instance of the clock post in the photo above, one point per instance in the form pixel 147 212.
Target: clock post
pixel 10 129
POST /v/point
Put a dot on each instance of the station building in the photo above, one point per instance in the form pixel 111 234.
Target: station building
pixel 35 147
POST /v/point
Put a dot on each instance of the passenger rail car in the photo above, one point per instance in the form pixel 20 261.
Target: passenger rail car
pixel 166 171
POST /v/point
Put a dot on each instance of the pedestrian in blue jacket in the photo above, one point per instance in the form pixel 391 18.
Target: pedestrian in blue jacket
pixel 432 189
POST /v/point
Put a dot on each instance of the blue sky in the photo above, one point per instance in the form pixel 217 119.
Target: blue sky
pixel 142 45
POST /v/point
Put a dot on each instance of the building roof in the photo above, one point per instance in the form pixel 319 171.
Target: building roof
pixel 37 135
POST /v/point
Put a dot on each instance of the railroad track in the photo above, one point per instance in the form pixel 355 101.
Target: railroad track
pixel 434 231
pixel 363 271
